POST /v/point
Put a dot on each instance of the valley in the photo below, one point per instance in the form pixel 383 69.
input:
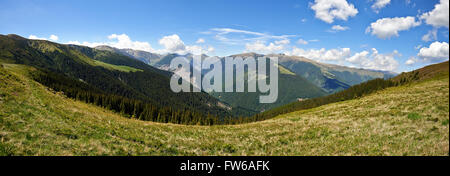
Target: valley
pixel 38 121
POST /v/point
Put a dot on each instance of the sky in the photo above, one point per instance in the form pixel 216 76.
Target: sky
pixel 391 35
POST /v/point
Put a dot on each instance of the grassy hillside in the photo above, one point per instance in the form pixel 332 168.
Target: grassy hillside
pixel 114 74
pixel 406 120
pixel 331 78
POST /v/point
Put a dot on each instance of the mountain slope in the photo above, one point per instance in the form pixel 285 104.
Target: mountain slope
pixel 406 120
pixel 293 85
pixel 290 88
pixel 108 71
pixel 143 56
pixel 331 78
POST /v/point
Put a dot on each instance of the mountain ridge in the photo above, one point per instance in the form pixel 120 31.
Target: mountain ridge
pixel 330 77
pixel 113 73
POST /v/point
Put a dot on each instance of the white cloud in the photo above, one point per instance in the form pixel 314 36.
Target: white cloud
pixel 200 40
pixel 365 59
pixel 375 60
pixel 225 35
pixel 321 54
pixel 439 16
pixel 89 44
pixel 314 40
pixel 33 37
pixel 412 60
pixel 261 47
pixel 388 27
pixel 328 10
pixel 302 42
pixel 304 20
pixel 174 44
pixel 121 41
pixel 51 38
pixel 437 51
pixel 339 28
pixel 171 44
pixel 379 4
pixel 283 42
pixel 358 58
pixel 431 35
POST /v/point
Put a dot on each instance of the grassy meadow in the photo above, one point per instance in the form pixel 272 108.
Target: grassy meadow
pixel 406 120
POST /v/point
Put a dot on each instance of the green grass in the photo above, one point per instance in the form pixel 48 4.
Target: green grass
pixel 37 121
pixel 115 67
pixel 445 122
pixel 414 116
pixel 285 71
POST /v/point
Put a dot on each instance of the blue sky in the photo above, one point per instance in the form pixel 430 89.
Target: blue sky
pixel 375 34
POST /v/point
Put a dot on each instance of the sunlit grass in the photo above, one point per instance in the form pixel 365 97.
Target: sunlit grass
pixel 37 121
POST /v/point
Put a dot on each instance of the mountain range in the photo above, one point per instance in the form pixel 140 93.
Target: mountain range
pixel 300 78
pixel 144 76
pixel 106 73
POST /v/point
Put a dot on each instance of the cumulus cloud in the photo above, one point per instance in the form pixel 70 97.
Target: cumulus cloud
pixel 302 42
pixel 121 41
pixel 336 28
pixel 174 44
pixel 439 16
pixel 51 38
pixel 33 37
pixel 321 54
pixel 89 44
pixel 170 43
pixel 379 4
pixel 437 51
pixel 329 10
pixel 412 60
pixel 371 59
pixel 387 27
pixel 375 60
pixel 261 47
pixel 200 40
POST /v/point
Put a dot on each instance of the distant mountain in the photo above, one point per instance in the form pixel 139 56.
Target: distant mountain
pixel 146 57
pixel 329 77
pixel 299 77
pixel 107 72
pixel 291 87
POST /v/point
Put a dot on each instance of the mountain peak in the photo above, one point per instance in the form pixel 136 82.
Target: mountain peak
pixel 15 36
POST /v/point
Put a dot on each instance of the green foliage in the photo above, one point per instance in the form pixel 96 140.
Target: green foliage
pixel 414 116
pixel 145 94
pixel 97 72
pixel 132 108
pixel 445 122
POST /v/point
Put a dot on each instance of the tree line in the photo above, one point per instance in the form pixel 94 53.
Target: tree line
pixel 130 108
pixel 147 111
